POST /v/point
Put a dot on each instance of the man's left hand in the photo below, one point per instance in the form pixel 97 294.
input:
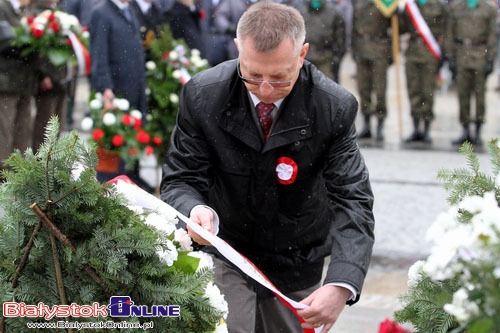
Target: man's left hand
pixel 325 305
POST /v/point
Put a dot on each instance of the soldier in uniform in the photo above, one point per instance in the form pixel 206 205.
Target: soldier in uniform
pixel 371 49
pixel 471 45
pixel 422 65
pixel 325 29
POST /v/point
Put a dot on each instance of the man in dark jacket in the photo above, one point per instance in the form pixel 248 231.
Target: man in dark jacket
pixel 118 59
pixel 17 87
pixel 284 197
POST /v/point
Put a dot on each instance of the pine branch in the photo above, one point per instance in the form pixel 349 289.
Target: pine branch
pixel 63 239
pixel 24 260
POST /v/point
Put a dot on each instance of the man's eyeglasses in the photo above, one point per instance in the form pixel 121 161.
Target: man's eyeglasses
pixel 258 82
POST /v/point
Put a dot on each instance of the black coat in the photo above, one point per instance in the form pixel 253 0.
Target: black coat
pixel 217 157
pixel 117 54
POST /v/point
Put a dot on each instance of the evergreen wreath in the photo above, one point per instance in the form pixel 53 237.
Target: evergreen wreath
pixel 67 239
pixel 457 288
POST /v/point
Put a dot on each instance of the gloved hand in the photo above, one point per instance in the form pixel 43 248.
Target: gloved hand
pixel 488 69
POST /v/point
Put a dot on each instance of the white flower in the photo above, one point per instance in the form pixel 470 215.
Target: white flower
pixel 173 55
pixel 174 98
pixel 161 222
pixel 176 74
pixel 195 53
pixel 168 253
pixel 150 65
pixel 216 299
pixel 121 104
pixel 414 273
pixel 87 124
pixel 109 119
pixel 461 308
pixel 96 104
pixel 181 236
pixel 136 114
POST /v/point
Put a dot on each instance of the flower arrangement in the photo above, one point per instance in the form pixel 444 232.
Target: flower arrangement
pixel 457 287
pixel 119 130
pixel 67 238
pixel 171 66
pixel 55 35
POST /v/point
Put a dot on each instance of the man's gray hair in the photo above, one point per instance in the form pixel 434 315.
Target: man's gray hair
pixel 268 23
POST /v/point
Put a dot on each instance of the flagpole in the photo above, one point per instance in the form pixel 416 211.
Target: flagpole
pixel 395 55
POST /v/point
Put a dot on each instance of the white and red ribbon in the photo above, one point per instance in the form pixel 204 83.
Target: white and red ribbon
pixel 423 29
pixel 136 196
pixel 81 53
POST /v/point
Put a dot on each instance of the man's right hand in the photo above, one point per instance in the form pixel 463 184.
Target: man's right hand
pixel 203 217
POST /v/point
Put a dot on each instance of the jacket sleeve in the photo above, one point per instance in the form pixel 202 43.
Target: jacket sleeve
pixel 351 197
pixel 185 180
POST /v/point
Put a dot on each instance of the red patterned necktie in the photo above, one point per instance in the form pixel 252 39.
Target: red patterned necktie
pixel 265 117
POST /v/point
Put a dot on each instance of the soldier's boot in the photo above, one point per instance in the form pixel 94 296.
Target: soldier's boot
pixel 477 139
pixel 464 137
pixel 380 129
pixel 426 137
pixel 365 133
pixel 416 135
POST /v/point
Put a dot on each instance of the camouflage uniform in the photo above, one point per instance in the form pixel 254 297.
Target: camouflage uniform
pixel 371 49
pixel 471 45
pixel 421 65
pixel 325 28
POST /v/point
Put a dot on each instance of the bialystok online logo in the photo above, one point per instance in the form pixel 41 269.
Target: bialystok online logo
pixel 119 306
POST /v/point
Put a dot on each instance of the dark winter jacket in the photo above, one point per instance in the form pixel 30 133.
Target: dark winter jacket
pixel 218 157
pixel 117 55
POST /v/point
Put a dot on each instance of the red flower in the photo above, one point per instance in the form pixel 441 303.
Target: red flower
pixel 157 140
pixel 149 150
pixel 37 31
pixel 143 137
pixel 51 17
pixel 127 120
pixel 388 326
pixel 31 19
pixel 98 134
pixel 137 123
pixel 117 140
pixel 55 26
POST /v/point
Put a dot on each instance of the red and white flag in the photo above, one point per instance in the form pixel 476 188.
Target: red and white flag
pixel 423 29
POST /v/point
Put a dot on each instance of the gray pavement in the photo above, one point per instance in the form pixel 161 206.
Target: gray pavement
pixel 408 196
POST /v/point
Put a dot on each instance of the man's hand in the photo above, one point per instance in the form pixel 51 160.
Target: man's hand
pixel 325 305
pixel 203 217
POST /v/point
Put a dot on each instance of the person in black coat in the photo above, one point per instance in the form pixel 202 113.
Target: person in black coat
pixel 117 54
pixel 118 60
pixel 284 197
pixel 185 20
pixel 150 20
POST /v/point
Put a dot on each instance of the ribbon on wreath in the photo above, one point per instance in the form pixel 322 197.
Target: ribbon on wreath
pixel 423 29
pixel 137 196
pixel 81 53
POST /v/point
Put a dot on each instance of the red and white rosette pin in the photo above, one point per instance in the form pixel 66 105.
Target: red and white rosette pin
pixel 286 170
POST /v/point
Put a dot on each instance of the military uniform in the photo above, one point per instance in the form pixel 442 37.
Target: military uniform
pixel 371 48
pixel 471 45
pixel 325 29
pixel 421 65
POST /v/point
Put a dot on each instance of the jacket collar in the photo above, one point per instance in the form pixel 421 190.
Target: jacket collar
pixel 291 126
